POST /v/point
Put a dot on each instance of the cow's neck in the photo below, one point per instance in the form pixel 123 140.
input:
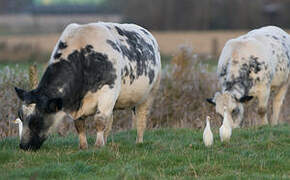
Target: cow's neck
pixel 63 80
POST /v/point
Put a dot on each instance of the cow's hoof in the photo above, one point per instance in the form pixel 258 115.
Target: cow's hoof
pixel 274 123
pixel 99 145
pixel 236 126
pixel 139 141
pixel 84 146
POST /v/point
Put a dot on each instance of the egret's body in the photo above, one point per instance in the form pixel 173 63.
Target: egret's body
pixel 20 126
pixel 225 129
pixel 207 134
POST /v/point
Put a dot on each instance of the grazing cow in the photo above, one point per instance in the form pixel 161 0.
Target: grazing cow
pixel 94 69
pixel 253 65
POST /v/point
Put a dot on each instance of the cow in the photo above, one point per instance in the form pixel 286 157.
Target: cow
pixel 253 66
pixel 94 69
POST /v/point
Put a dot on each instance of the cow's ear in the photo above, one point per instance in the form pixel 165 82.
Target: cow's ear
pixel 245 99
pixel 210 100
pixel 54 105
pixel 20 93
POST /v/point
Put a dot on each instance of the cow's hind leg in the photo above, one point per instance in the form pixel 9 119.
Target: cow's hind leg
pixel 133 118
pixel 143 110
pixel 81 129
pixel 277 103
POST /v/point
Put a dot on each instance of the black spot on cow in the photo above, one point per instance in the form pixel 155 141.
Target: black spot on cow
pixel 287 54
pixel 114 45
pixel 144 31
pixel 120 31
pixel 109 27
pixel 151 76
pixel 284 37
pixel 254 64
pixel 88 49
pixel 135 50
pixel 57 55
pixel 131 76
pixel 275 37
pixel 244 81
pixel 223 71
pixel 62 45
pixel 273 52
pixel 126 71
pixel 84 70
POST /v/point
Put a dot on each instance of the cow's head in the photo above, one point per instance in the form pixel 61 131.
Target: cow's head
pixel 233 105
pixel 38 115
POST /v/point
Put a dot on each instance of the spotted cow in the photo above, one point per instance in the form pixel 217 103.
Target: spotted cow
pixel 94 69
pixel 252 66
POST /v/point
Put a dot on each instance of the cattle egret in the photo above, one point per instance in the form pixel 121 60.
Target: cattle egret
pixel 20 126
pixel 225 129
pixel 207 134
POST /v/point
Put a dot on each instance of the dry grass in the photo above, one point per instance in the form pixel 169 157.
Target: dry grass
pixel 9 102
pixel 15 47
pixel 179 103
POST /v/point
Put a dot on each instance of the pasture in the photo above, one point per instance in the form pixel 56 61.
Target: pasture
pixel 253 153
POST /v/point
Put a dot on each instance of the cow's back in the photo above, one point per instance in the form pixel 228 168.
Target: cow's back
pixel 131 49
pixel 260 57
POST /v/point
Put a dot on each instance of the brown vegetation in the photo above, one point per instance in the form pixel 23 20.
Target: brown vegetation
pixel 180 102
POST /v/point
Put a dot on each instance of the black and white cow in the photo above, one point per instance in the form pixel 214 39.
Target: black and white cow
pixel 94 69
pixel 251 66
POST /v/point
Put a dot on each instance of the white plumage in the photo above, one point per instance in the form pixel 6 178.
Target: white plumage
pixel 20 126
pixel 207 134
pixel 225 129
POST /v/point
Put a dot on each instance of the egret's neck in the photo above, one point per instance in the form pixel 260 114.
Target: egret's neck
pixel 226 121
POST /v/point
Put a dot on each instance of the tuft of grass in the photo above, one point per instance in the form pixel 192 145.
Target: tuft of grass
pixel 252 153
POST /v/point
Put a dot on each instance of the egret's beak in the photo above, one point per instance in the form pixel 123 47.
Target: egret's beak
pixel 16 121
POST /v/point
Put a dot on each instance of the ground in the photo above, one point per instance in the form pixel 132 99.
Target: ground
pixel 253 153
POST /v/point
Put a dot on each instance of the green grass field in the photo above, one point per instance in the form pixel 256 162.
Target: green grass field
pixel 255 153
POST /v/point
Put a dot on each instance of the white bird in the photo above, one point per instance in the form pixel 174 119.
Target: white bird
pixel 225 129
pixel 20 126
pixel 207 134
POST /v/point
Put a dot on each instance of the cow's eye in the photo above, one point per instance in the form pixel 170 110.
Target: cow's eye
pixel 20 115
pixel 235 111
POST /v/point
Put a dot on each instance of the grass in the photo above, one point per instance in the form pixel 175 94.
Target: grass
pixel 254 153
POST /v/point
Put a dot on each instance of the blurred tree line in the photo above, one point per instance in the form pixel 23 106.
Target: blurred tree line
pixel 179 14
pixel 206 14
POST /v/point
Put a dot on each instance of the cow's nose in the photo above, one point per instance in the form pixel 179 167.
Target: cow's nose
pixel 23 146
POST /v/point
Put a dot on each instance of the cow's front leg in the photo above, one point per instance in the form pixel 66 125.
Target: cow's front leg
pixel 81 129
pixel 108 128
pixel 102 126
pixel 263 98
